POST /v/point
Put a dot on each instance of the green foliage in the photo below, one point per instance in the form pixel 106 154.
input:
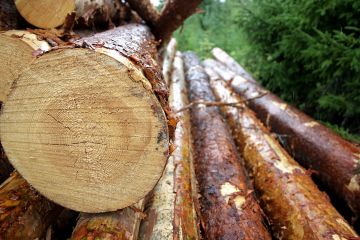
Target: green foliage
pixel 307 52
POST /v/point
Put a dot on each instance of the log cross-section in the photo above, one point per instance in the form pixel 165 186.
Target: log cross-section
pixel 291 200
pixel 228 207
pixel 86 126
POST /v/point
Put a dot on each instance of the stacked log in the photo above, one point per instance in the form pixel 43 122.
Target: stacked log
pixel 168 58
pixel 171 212
pixel 91 121
pixel 333 160
pixel 229 209
pixel 289 197
pixel 49 14
pixel 118 225
pixel 25 214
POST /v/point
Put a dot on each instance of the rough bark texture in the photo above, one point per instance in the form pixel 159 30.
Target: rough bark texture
pixel 229 62
pixel 119 225
pixel 135 42
pixel 228 207
pixel 99 127
pixel 335 161
pixel 291 200
pixel 25 214
pixel 145 10
pixel 168 58
pixel 172 16
pixel 171 212
pixel 9 16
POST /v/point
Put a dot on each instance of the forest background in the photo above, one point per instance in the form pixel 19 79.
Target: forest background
pixel 307 52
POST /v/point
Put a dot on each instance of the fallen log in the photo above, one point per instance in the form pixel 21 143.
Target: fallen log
pixel 9 16
pixel 291 200
pixel 25 214
pixel 16 53
pixel 228 206
pixel 49 14
pixel 168 58
pixel 335 161
pixel 119 225
pixel 171 212
pixel 172 17
pixel 91 120
pixel 229 62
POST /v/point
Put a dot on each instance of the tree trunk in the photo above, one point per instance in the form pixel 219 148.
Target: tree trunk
pixel 229 62
pixel 9 16
pixel 169 55
pixel 291 200
pixel 91 122
pixel 52 13
pixel 16 54
pixel 228 207
pixel 335 161
pixel 172 17
pixel 25 214
pixel 146 10
pixel 171 213
pixel 119 225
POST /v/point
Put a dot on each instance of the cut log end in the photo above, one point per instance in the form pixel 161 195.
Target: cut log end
pixel 95 134
pixel 16 48
pixel 45 13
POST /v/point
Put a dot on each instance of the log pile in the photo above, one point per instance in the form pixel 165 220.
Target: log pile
pixel 115 135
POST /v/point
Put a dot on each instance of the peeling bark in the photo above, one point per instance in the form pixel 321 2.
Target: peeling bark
pixel 25 214
pixel 228 207
pixel 291 200
pixel 335 161
pixel 119 225
pixel 171 212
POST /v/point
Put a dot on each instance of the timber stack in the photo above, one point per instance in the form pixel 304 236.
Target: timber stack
pixel 108 132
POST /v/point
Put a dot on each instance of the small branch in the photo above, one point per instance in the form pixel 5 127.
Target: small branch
pixel 218 104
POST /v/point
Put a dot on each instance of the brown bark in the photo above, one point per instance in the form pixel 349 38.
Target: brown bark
pixel 9 16
pixel 228 207
pixel 335 161
pixel 100 125
pixel 146 10
pixel 172 17
pixel 25 214
pixel 229 62
pixel 171 212
pixel 290 199
pixel 119 225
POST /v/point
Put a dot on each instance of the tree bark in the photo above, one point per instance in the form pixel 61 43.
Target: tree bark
pixel 172 16
pixel 5 167
pixel 228 207
pixel 229 62
pixel 25 214
pixel 50 13
pixel 16 54
pixel 290 199
pixel 335 161
pixel 119 225
pixel 91 119
pixel 146 10
pixel 168 58
pixel 171 213
pixel 9 16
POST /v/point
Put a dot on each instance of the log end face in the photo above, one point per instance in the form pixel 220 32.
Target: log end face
pixel 45 13
pixel 87 135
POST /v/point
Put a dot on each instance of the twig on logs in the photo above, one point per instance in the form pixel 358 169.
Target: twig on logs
pixel 218 104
